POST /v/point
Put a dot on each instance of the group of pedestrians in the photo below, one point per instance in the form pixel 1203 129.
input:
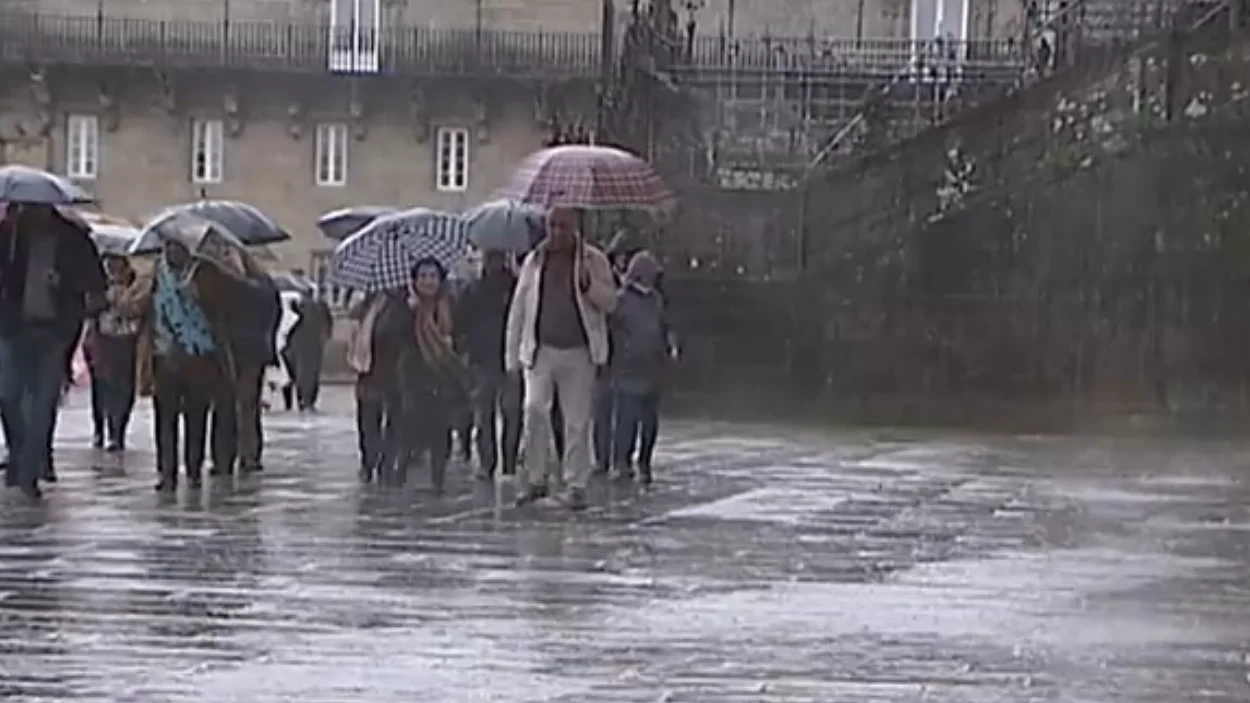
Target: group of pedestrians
pixel 195 333
pixel 549 348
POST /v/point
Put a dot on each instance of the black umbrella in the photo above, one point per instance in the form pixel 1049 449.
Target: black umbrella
pixel 339 224
pixel 249 225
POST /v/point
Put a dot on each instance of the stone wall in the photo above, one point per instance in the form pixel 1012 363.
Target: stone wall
pixel 1082 245
pixel 1085 240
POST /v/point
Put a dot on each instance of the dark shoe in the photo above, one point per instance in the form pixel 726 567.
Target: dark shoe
pixel 252 468
pixel 366 474
pixel 532 494
pixel 49 474
pixel 195 479
pixel 644 475
pixel 97 442
pixel 166 485
pixel 115 447
pixel 32 491
pixel 600 470
pixel 574 499
pixel 216 470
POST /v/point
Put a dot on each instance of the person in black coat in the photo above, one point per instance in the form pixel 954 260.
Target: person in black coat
pixel 481 317
pixel 237 431
pixel 51 281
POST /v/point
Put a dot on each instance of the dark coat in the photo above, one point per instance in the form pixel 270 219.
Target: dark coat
pixel 481 318
pixel 79 273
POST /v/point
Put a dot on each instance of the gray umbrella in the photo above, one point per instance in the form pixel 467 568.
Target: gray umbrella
pixel 22 184
pixel 249 225
pixel 338 225
pixel 113 240
pixel 180 226
pixel 504 225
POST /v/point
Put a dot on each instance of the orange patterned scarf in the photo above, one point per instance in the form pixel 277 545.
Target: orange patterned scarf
pixel 433 327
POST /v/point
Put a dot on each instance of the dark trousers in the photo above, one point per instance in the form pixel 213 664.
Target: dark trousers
pixel 421 429
pixel 237 433
pixel 465 421
pixel 306 371
pixel 637 424
pixel 497 396
pixel 179 400
pixel 605 422
pixel 32 371
pixel 112 403
pixel 377 424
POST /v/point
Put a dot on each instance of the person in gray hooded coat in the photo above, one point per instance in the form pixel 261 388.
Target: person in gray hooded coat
pixel 642 344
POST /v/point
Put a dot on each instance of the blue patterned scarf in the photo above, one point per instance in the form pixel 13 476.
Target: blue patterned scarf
pixel 179 319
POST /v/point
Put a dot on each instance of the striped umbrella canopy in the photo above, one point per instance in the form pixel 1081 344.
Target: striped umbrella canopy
pixel 588 177
pixel 381 256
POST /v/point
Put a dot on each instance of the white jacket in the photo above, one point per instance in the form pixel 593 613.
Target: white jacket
pixel 595 303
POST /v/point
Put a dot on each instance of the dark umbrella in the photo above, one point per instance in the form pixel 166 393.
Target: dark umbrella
pixel 249 225
pixel 22 184
pixel 340 224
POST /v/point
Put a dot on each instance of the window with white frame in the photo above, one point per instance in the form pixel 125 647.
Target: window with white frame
pixel 82 147
pixel 208 148
pixel 452 154
pixel 331 155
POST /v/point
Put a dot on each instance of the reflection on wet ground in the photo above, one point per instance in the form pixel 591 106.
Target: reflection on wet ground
pixel 766 566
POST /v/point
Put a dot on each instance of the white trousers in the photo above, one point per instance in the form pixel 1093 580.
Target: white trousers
pixel 569 375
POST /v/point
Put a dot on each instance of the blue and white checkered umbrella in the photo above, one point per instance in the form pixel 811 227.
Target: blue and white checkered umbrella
pixel 381 256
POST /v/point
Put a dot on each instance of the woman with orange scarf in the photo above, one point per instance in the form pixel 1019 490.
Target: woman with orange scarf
pixel 432 374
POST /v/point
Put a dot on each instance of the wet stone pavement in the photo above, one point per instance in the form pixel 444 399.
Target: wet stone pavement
pixel 766 565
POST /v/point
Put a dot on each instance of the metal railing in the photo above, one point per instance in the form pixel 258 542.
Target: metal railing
pixel 884 57
pixel 296 47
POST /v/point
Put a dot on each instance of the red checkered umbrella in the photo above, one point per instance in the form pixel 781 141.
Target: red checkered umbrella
pixel 583 176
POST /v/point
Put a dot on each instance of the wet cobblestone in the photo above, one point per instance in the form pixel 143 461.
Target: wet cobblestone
pixel 766 565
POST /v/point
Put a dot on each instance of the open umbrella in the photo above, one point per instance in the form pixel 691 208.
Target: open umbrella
pixel 193 232
pixel 113 239
pixel 504 225
pixel 380 256
pixel 339 224
pixel 592 177
pixel 249 225
pixel 31 186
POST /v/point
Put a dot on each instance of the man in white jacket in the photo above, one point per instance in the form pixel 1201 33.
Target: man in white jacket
pixel 557 336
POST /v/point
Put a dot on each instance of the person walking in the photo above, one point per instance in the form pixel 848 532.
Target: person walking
pixel 51 281
pixel 642 342
pixel 184 357
pixel 481 316
pixel 556 336
pixel 432 375
pixel 381 325
pixel 109 346
pixel 306 344
pixel 238 435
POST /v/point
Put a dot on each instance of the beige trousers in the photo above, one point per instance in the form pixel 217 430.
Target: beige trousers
pixel 570 375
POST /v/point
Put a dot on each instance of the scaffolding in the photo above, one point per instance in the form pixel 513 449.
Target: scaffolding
pixel 767 107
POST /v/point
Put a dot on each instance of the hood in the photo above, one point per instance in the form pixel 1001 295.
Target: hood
pixel 643 269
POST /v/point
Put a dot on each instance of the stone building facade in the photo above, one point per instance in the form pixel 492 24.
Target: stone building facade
pixel 840 19
pixel 145 113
